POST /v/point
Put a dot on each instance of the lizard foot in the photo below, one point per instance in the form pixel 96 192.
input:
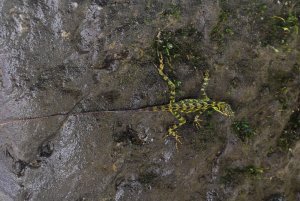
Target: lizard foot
pixel 197 122
pixel 172 133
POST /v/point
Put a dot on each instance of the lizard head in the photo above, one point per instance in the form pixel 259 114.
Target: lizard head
pixel 222 108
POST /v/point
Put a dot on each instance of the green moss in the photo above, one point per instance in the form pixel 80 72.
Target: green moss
pixel 253 170
pixel 291 133
pixel 281 96
pixel 181 46
pixel 262 8
pixel 234 176
pixel 279 82
pixel 243 129
pixel 267 23
pixel 279 29
pixel 173 11
pixel 221 30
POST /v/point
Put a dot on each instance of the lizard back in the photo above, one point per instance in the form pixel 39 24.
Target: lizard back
pixel 183 106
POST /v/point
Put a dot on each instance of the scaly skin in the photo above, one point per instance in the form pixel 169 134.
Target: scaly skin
pixel 185 106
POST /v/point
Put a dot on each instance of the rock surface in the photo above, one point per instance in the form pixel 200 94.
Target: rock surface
pixel 72 74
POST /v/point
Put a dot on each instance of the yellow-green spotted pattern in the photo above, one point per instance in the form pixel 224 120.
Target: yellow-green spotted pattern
pixel 171 85
pixel 177 108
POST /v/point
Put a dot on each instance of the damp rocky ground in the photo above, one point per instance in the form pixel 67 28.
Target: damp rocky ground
pixel 74 73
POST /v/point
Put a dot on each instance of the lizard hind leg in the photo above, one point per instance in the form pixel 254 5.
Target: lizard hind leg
pixel 172 131
pixel 171 85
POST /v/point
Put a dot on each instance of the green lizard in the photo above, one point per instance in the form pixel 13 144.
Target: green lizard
pixel 178 108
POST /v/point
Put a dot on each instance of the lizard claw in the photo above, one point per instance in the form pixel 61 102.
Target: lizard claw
pixel 175 135
pixel 178 141
pixel 197 122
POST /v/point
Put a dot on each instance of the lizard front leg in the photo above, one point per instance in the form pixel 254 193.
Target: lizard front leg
pixel 172 131
pixel 197 121
pixel 202 108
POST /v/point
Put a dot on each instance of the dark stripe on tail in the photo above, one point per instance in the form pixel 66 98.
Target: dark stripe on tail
pixel 156 108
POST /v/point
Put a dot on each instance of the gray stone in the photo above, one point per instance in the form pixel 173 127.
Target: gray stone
pixel 73 75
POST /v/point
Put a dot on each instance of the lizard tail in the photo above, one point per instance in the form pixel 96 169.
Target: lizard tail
pixel 156 108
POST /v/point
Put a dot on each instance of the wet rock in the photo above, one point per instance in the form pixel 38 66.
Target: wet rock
pixel 73 75
pixel 46 149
